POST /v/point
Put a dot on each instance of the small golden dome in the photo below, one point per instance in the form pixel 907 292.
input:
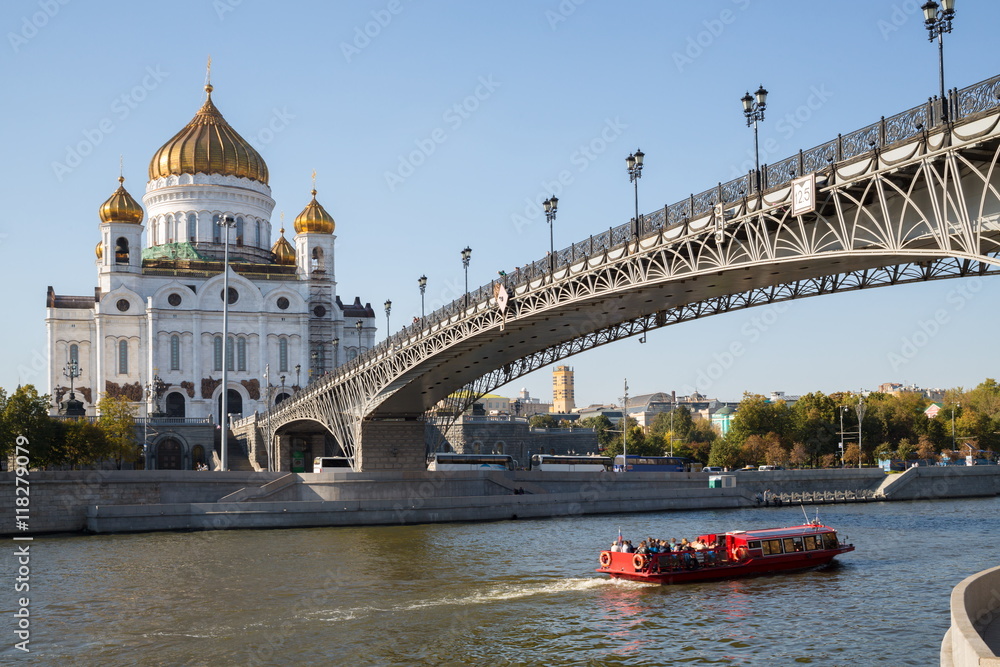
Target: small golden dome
pixel 99 250
pixel 208 145
pixel 283 251
pixel 314 218
pixel 121 206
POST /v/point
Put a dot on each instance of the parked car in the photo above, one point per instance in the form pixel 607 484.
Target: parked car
pixel 712 469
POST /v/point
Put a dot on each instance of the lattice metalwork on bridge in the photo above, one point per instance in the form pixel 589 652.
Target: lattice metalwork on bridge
pixel 904 200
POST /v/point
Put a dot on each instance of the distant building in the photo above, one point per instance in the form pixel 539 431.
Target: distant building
pixel 933 409
pixel 722 419
pixel 781 396
pixel 526 406
pixel 562 389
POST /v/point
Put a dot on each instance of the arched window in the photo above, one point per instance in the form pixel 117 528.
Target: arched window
pixel 123 357
pixel 121 250
pixel 317 259
pixel 169 229
pixel 74 353
pixel 216 230
pixel 239 231
pixel 217 353
pixel 283 355
pixel 192 227
pixel 229 354
pixel 352 353
pixel 257 238
pixel 241 354
pixel 175 353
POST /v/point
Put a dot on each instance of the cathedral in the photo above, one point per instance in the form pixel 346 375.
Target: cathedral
pixel 152 331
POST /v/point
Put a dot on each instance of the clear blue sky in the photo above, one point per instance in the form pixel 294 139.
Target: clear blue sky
pixel 534 83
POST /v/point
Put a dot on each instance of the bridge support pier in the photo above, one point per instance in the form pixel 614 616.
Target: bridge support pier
pixel 390 444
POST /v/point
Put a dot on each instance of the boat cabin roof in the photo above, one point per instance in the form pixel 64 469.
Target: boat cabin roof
pixel 778 533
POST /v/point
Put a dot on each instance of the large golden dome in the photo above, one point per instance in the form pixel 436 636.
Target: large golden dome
pixel 314 218
pixel 121 206
pixel 283 251
pixel 208 145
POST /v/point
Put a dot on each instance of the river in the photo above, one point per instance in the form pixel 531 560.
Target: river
pixel 506 593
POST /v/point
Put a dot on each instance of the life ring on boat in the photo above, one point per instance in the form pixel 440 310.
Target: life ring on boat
pixel 639 561
pixel 605 559
pixel 741 554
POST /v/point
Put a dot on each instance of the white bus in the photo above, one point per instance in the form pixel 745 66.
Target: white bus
pixel 568 463
pixel 471 462
pixel 331 464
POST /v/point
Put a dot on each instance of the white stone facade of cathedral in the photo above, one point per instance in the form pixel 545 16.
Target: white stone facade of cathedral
pixel 156 313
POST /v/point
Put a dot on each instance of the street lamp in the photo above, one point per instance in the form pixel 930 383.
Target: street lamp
pixel 422 282
pixel 466 256
pixel 226 222
pixel 625 429
pixel 298 371
pixel 313 358
pixel 957 405
pixel 861 408
pixel 550 206
pixel 937 24
pixel 672 409
pixel 336 352
pixel 843 409
pixel 388 307
pixel 753 110
pixel 358 325
pixel 633 165
pixel 72 371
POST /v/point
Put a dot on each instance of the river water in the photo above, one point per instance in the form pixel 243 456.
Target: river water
pixel 507 593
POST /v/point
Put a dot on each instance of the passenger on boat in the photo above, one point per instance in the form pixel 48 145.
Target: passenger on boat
pixel 643 549
pixel 673 544
pixel 627 547
pixel 616 546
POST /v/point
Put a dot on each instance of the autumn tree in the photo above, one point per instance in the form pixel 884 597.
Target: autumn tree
pixel 117 420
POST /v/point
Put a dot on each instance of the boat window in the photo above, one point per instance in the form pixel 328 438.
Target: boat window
pixel 771 547
pixel 830 540
pixel 755 544
pixel 789 545
pixel 812 542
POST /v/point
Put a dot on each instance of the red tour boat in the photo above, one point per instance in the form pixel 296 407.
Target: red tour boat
pixel 738 553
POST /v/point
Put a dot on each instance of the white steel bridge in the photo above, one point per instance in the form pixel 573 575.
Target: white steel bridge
pixel 907 199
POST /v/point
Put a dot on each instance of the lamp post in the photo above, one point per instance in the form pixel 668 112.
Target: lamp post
pixel 466 256
pixel 72 371
pixel 336 352
pixel 672 409
pixel 937 24
pixel 388 307
pixel 422 283
pixel 753 110
pixel 550 206
pixel 633 165
pixel 842 410
pixel 861 408
pixel 282 386
pixel 957 405
pixel 358 325
pixel 298 369
pixel 268 404
pixel 313 357
pixel 625 429
pixel 227 223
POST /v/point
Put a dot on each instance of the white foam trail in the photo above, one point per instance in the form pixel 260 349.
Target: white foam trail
pixel 495 594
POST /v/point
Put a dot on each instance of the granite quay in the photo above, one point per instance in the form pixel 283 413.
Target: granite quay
pixel 136 501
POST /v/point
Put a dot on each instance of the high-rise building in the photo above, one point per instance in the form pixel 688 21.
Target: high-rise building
pixel 563 400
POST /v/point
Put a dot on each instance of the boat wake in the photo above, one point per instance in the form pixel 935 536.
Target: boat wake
pixel 499 593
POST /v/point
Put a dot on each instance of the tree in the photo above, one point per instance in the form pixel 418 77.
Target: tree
pixel 603 428
pixel 799 456
pixel 638 443
pixel 83 443
pixel 543 421
pixel 851 454
pixel 117 420
pixel 758 416
pixel 681 427
pixel 925 448
pixel 725 453
pixel 904 449
pixel 26 414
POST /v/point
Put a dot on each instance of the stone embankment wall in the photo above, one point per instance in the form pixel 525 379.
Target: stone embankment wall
pixel 161 500
pixel 975 611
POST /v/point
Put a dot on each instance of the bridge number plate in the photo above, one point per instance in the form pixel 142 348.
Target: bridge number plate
pixel 804 195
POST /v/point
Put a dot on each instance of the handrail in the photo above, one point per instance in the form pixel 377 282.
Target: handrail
pixel 962 103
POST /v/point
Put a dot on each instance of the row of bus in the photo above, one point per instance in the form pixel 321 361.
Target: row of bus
pixel 543 462
pixel 564 463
